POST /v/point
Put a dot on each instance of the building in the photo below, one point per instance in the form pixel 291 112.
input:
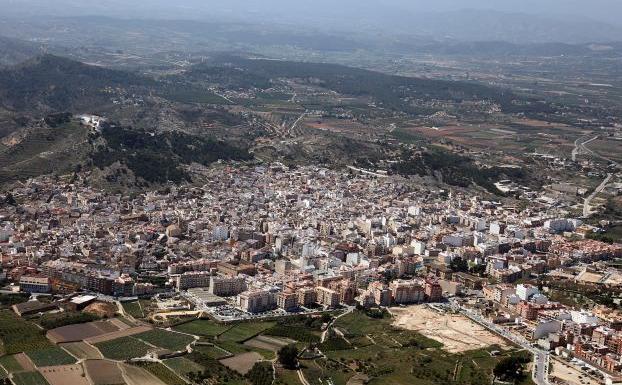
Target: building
pixel 227 286
pixel 407 292
pixel 307 296
pixel 327 297
pixel 433 291
pixel 287 301
pixel 34 284
pixel 257 301
pixel 190 280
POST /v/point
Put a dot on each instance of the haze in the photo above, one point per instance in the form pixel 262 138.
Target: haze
pixel 525 20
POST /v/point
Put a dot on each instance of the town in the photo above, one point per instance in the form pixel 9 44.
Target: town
pixel 267 242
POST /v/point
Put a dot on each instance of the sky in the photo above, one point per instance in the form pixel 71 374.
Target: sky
pixel 510 20
pixel 601 10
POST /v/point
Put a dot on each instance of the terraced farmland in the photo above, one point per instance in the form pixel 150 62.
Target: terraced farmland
pixel 165 339
pixel 123 348
pixel 52 356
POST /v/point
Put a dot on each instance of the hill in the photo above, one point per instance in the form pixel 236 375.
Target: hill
pixel 50 83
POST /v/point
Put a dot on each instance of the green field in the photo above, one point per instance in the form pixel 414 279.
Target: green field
pixel 10 364
pixel 162 372
pixel 204 328
pixel 134 309
pixel 244 331
pixel 3 373
pixel 211 351
pixel 182 366
pixel 123 348
pixel 50 357
pixel 165 339
pixel 18 335
pixel 29 378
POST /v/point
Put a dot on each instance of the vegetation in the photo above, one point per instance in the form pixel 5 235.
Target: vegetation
pixel 51 357
pixel 182 366
pixel 52 321
pixel 510 369
pixel 134 309
pixel 302 329
pixel 261 374
pixel 455 170
pixel 123 348
pixel 8 300
pixel 391 92
pixel 158 158
pixel 205 328
pixel 161 372
pixel 245 331
pixel 212 370
pixel 165 339
pixel 288 356
pixel 18 335
pixel 29 378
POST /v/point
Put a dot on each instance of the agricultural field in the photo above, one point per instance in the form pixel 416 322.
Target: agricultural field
pixel 211 351
pixel 242 363
pixel 134 309
pixel 18 335
pixel 65 375
pixel 51 356
pixel 165 339
pixel 245 331
pixel 82 350
pixel 103 372
pixel 29 378
pixel 10 364
pixel 182 366
pixel 161 372
pixel 203 328
pixel 123 348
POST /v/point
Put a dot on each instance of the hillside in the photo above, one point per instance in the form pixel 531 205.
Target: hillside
pixel 390 91
pixel 53 83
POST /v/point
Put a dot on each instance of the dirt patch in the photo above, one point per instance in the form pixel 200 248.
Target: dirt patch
pixel 242 363
pixel 102 372
pixel 118 334
pixel 102 309
pixel 82 350
pixel 65 375
pixel 268 343
pixel 24 361
pixel 137 376
pixel 75 333
pixel 569 375
pixel 456 332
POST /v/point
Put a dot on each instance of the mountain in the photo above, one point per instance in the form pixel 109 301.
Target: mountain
pixel 14 51
pixel 50 83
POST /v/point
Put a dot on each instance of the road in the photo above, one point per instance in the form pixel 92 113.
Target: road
pixel 579 147
pixel 541 357
pixel 587 209
pixel 367 172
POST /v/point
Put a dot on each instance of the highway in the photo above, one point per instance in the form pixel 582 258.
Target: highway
pixel 541 357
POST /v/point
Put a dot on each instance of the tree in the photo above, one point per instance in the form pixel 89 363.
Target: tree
pixel 288 356
pixel 459 265
pixel 509 369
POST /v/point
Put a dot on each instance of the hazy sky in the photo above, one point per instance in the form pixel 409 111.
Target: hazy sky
pixel 546 20
pixel 604 10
